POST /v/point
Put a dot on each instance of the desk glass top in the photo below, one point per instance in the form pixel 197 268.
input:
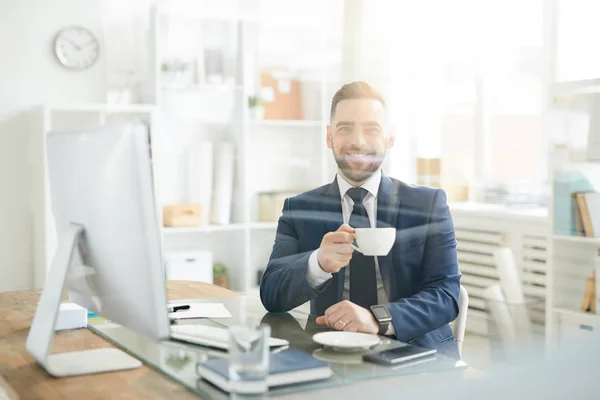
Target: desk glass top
pixel 178 360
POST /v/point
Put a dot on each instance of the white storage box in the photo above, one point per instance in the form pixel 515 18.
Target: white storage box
pixel 575 327
pixel 71 316
pixel 190 266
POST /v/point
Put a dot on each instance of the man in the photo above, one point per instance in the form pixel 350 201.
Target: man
pixel 417 283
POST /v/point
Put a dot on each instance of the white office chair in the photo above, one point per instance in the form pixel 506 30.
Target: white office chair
pixel 460 323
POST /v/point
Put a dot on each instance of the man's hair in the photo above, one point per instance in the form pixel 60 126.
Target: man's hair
pixel 355 90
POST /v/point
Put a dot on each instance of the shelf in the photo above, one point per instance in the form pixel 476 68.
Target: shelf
pixel 577 314
pixel 205 87
pixel 283 123
pixel 220 228
pixel 263 225
pixel 106 108
pixel 577 165
pixel 203 229
pixel 237 16
pixel 577 239
pixel 570 88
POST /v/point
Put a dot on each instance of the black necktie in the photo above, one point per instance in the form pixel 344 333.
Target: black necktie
pixel 363 281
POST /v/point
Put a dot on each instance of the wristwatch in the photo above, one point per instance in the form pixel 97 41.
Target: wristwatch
pixel 383 316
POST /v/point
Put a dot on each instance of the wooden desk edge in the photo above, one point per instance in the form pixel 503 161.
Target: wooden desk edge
pixel 9 391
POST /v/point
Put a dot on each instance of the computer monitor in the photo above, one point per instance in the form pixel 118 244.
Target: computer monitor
pixel 109 248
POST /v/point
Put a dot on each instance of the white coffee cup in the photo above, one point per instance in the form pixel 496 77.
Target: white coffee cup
pixel 374 241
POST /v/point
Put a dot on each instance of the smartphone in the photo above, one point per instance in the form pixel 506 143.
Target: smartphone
pixel 398 355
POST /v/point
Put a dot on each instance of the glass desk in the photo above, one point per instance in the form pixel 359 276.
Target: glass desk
pixel 178 360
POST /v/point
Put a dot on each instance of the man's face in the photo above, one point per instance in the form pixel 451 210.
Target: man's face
pixel 358 138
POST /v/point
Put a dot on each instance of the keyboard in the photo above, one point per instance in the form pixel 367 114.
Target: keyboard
pixel 210 336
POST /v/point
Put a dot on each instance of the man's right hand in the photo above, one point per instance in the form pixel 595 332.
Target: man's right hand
pixel 335 251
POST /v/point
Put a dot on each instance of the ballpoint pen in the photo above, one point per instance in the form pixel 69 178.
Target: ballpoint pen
pixel 173 309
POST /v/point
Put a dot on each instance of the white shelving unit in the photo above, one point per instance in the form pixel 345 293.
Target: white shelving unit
pixel 577 239
pixel 571 258
pixel 270 155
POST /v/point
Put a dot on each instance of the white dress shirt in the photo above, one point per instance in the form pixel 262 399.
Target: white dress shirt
pixel 316 276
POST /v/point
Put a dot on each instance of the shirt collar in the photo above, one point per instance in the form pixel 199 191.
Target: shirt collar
pixel 372 184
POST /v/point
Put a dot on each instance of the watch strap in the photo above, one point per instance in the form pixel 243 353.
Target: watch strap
pixel 383 327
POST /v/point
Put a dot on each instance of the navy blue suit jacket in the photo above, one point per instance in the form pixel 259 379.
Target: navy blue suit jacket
pixel 420 274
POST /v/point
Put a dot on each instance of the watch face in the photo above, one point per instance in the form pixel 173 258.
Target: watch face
pixel 380 312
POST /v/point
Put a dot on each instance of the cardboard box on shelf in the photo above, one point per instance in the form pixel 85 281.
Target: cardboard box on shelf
pixel 456 193
pixel 181 215
pixel 270 205
pixel 429 172
pixel 287 97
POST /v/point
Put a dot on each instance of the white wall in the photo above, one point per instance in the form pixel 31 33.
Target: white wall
pixel 30 76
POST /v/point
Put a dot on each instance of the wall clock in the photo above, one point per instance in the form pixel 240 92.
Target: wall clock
pixel 76 48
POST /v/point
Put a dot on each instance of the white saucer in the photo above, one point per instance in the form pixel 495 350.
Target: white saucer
pixel 346 341
pixel 339 357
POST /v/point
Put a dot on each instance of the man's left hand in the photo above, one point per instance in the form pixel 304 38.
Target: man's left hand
pixel 349 317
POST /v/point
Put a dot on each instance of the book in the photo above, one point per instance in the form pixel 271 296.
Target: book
pixel 577 216
pixel 285 368
pixel 565 184
pixel 597 283
pixel 592 201
pixel 588 304
pixel 585 215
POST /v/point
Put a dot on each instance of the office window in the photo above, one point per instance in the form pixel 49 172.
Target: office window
pixel 512 102
pixel 470 79
pixel 577 29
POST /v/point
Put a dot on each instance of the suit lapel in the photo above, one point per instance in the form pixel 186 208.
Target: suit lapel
pixel 332 218
pixel 332 207
pixel 388 207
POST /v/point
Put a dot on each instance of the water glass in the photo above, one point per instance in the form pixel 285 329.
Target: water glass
pixel 249 358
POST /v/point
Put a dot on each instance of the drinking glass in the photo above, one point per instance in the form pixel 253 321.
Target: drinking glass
pixel 249 358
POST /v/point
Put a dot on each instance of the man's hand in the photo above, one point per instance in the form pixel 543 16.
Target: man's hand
pixel 349 317
pixel 335 251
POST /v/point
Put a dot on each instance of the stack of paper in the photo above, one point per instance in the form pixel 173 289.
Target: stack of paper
pixel 223 183
pixel 200 178
pixel 200 310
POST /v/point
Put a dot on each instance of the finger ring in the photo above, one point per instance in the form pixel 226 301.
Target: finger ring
pixel 342 323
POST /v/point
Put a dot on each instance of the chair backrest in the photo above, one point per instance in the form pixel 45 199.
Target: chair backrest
pixel 460 323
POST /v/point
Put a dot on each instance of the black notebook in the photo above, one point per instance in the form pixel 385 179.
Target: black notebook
pixel 285 368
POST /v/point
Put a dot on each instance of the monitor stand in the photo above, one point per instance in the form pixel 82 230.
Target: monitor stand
pixel 41 334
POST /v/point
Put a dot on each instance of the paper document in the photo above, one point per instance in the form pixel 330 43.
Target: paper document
pixel 201 310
